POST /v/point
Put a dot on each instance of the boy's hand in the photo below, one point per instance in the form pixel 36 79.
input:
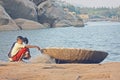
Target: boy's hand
pixel 38 47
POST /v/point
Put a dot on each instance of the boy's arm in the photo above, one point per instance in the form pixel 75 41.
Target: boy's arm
pixel 32 46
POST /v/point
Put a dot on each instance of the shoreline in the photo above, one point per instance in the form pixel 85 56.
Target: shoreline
pixel 38 71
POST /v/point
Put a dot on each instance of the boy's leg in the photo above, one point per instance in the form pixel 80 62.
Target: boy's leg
pixel 19 56
pixel 27 55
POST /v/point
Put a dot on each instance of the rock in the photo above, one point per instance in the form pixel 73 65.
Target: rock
pixel 37 2
pixel 73 55
pixel 75 21
pixel 6 23
pixel 46 12
pixel 63 23
pixel 68 23
pixel 25 24
pixel 47 25
pixel 50 12
pixel 20 9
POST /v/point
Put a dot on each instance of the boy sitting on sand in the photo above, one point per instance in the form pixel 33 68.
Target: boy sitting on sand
pixel 20 50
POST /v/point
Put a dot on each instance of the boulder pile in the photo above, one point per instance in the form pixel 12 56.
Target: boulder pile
pixel 34 14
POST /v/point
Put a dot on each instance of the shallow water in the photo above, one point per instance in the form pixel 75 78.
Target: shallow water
pixel 104 36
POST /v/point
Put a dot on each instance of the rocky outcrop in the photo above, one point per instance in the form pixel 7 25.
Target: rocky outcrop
pixel 25 24
pixel 63 23
pixel 47 12
pixel 75 21
pixel 53 14
pixel 20 9
pixel 6 23
pixel 73 55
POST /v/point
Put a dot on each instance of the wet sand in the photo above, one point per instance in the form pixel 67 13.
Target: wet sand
pixel 36 71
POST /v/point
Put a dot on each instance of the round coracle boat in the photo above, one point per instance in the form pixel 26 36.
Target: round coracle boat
pixel 75 55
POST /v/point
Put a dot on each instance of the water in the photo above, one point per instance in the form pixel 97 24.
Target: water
pixel 104 36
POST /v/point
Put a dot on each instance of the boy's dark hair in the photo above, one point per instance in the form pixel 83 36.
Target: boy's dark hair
pixel 26 40
pixel 20 37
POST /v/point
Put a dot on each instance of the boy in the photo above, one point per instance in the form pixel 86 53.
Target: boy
pixel 20 51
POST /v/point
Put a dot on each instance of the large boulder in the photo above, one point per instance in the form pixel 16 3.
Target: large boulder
pixel 6 23
pixel 73 55
pixel 20 9
pixel 75 21
pixel 62 23
pixel 25 24
pixel 50 12
pixel 68 23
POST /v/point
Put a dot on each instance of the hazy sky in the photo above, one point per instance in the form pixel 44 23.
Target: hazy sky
pixel 96 3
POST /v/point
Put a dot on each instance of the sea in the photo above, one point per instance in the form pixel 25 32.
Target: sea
pixel 102 36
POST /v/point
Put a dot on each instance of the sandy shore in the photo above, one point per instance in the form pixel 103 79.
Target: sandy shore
pixel 23 71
